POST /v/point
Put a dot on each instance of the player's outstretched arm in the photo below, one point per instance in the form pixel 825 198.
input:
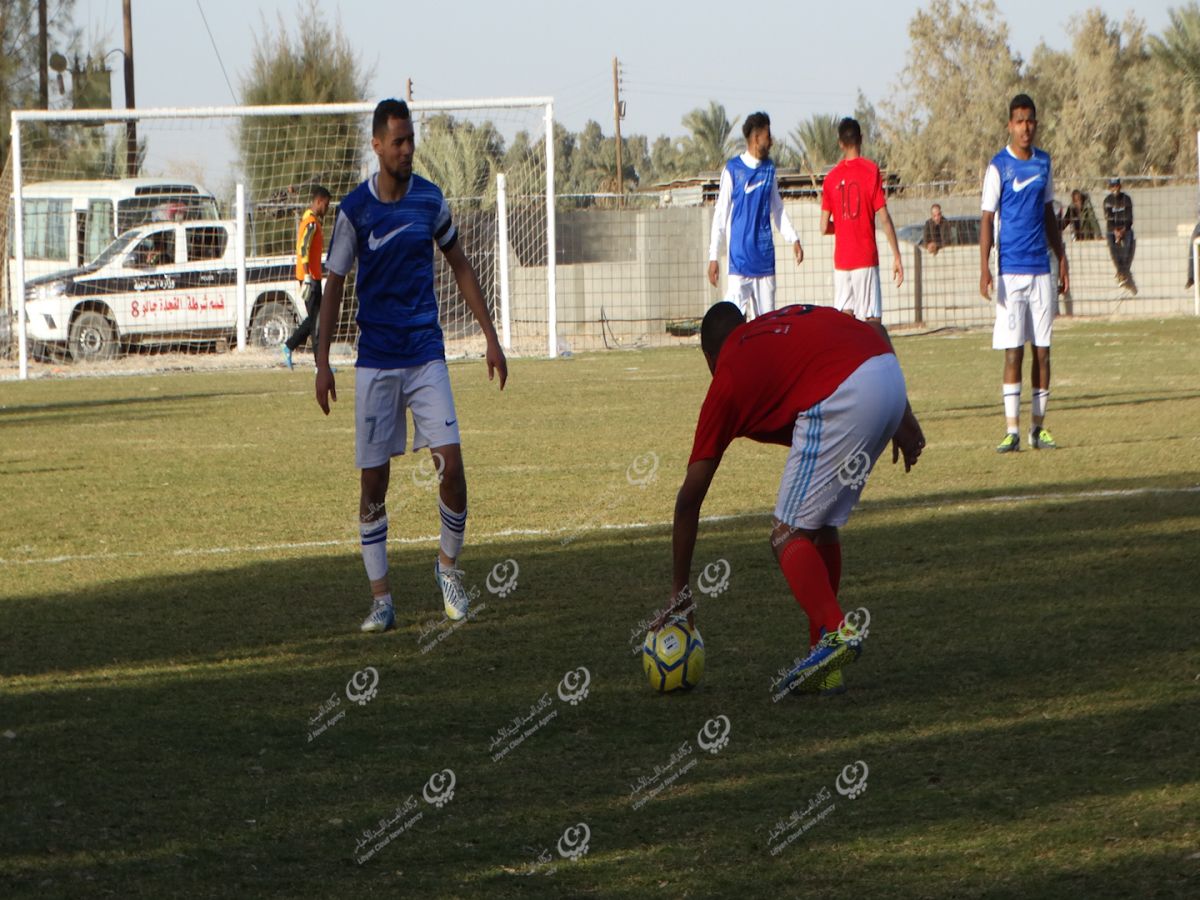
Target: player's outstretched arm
pixel 908 439
pixel 331 307
pixel 985 254
pixel 464 275
pixel 719 221
pixel 683 536
pixel 889 231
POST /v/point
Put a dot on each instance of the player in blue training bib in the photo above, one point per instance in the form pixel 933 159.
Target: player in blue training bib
pixel 389 224
pixel 1018 218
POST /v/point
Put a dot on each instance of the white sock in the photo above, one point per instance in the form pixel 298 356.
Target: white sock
pixel 374 547
pixel 1012 404
pixel 454 528
pixel 1040 398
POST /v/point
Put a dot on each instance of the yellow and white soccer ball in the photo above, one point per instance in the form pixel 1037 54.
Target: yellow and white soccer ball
pixel 673 657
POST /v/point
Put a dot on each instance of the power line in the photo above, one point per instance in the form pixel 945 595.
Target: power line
pixel 220 62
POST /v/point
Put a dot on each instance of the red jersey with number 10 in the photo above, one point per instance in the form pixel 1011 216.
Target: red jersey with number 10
pixel 853 193
pixel 775 367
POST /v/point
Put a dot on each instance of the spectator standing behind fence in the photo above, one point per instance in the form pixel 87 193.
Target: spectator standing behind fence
pixel 1080 217
pixel 1118 220
pixel 748 202
pixel 937 231
pixel 310 243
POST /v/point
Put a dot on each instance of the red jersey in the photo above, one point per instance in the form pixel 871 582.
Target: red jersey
pixel 775 367
pixel 853 193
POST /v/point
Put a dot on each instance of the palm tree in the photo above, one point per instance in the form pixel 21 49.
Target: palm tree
pixel 711 141
pixel 816 140
pixel 1179 46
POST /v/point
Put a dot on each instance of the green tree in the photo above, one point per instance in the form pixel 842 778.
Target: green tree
pixel 1092 98
pixel 710 142
pixel 815 141
pixel 461 158
pixel 1178 47
pixel 19 54
pixel 959 77
pixel 282 155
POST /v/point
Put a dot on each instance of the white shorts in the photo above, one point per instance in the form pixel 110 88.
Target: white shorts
pixel 1024 311
pixel 857 292
pixel 754 296
pixel 380 398
pixel 835 444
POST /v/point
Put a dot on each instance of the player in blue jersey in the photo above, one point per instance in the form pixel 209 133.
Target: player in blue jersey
pixel 389 224
pixel 1018 216
pixel 748 202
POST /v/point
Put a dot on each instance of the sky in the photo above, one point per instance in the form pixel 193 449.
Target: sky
pixel 793 59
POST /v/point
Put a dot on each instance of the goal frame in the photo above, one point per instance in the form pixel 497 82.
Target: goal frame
pixel 116 116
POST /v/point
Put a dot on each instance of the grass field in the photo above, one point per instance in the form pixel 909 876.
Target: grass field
pixel 180 593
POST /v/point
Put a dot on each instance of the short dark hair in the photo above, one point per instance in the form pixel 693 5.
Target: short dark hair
pixel 1021 101
pixel 387 109
pixel 755 121
pixel 318 192
pixel 849 133
pixel 718 322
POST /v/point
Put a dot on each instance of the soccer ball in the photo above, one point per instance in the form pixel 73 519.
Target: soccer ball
pixel 673 657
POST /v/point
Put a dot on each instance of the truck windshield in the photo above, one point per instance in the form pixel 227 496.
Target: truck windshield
pixel 113 250
pixel 164 208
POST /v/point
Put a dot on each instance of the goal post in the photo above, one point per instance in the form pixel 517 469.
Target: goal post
pixel 71 197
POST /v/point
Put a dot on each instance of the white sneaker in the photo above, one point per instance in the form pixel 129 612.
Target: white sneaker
pixel 381 618
pixel 454 598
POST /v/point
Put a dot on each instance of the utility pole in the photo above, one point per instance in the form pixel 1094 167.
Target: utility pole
pixel 131 166
pixel 408 91
pixel 618 112
pixel 43 59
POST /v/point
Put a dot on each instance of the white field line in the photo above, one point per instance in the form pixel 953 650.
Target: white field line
pixel 568 530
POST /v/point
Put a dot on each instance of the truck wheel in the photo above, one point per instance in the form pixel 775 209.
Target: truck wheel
pixel 272 324
pixel 93 337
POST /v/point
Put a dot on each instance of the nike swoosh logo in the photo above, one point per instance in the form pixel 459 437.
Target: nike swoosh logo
pixel 375 243
pixel 753 186
pixel 1019 185
pixel 450 422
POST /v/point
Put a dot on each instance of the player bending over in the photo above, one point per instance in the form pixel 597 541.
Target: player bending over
pixel 829 387
pixel 389 223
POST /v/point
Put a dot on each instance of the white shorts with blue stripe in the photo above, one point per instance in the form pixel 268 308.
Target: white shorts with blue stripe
pixel 836 442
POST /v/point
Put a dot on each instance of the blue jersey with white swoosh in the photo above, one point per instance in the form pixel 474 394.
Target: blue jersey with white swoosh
pixel 1017 191
pixel 393 243
pixel 751 246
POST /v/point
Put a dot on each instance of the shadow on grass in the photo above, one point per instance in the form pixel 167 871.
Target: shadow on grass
pixel 1024 695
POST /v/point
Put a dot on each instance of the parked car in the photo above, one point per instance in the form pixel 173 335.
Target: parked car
pixel 161 283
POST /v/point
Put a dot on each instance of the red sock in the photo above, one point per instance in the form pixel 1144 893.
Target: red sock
pixel 809 580
pixel 832 554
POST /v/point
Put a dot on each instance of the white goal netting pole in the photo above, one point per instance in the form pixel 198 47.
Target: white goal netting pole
pixel 502 253
pixel 19 244
pixel 551 240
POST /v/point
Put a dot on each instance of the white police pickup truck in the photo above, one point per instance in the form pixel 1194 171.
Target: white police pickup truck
pixel 161 283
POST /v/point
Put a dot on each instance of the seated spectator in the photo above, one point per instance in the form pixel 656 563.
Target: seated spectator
pixel 937 231
pixel 1080 217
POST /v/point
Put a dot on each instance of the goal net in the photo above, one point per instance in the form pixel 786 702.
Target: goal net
pixel 139 240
